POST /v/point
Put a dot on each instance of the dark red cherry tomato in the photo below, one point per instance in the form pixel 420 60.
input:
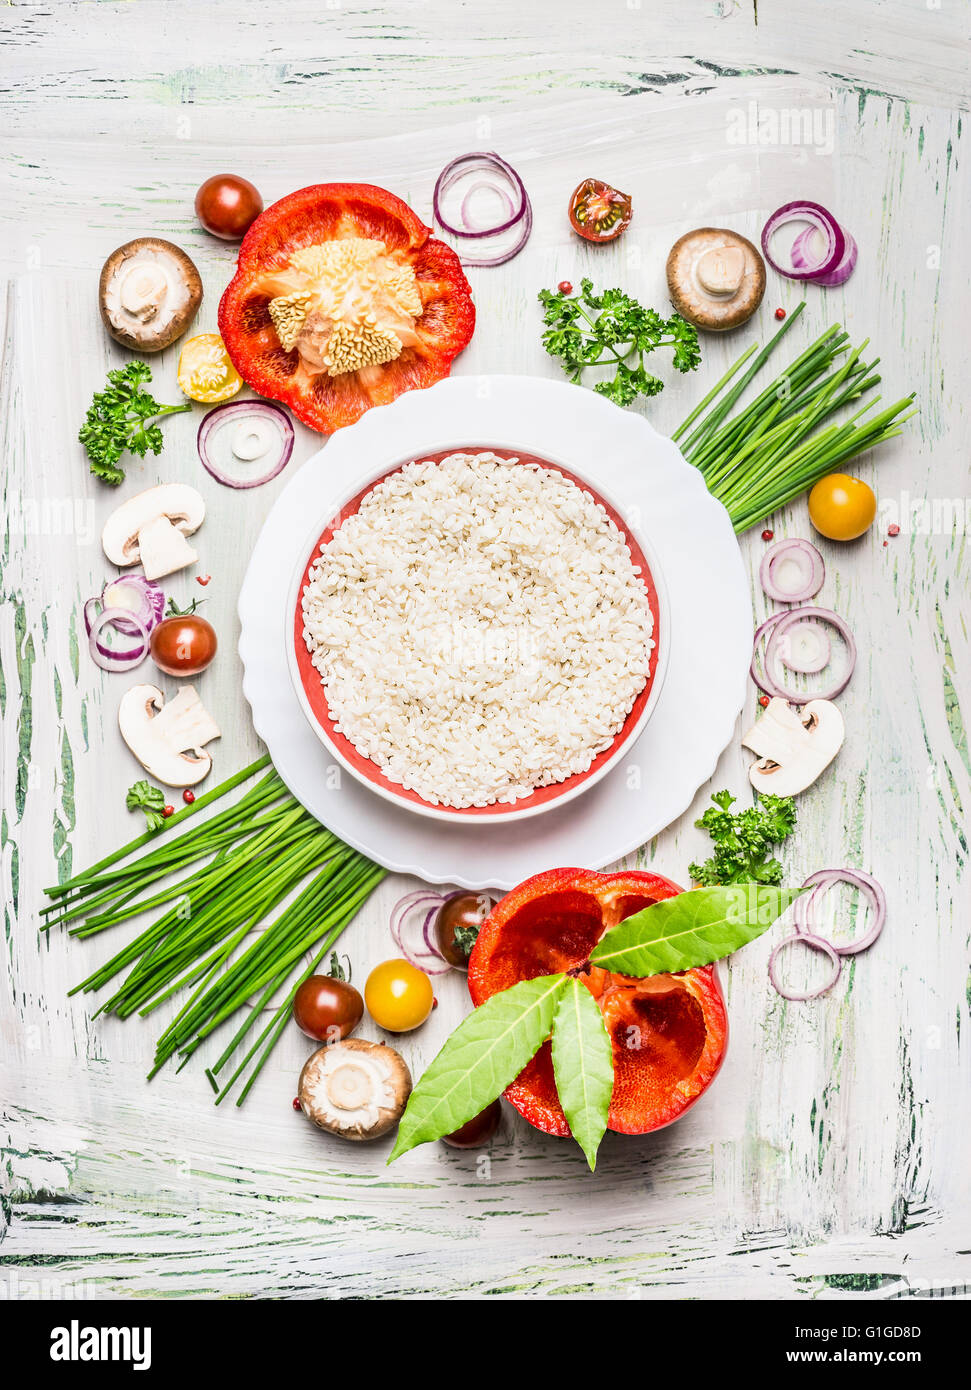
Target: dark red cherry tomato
pixel 478 1131
pixel 183 645
pixel 599 212
pixel 326 1008
pixel 458 923
pixel 227 205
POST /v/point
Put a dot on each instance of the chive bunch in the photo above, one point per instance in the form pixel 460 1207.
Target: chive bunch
pixel 785 440
pixel 260 851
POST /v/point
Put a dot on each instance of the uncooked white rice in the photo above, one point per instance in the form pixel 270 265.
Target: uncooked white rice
pixel 479 627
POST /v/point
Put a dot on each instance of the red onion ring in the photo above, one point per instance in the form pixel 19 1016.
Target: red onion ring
pixel 818 217
pixel 804 555
pixel 425 898
pixel 825 879
pixel 494 188
pixel 129 621
pixel 411 900
pixel 222 415
pixel 441 966
pixel 774 628
pixel 802 260
pixel 802 257
pixel 426 928
pixel 817 943
pixel 760 678
pixel 430 919
pixel 122 620
pixel 490 262
pixel 798 615
pixel 805 666
pixel 104 656
pixel 151 605
pixel 476 162
pixel 430 961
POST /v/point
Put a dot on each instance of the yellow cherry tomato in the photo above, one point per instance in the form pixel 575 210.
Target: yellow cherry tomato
pixel 205 371
pixel 841 508
pixel 398 996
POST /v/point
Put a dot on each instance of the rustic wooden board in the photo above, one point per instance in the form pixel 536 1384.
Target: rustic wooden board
pixel 830 1158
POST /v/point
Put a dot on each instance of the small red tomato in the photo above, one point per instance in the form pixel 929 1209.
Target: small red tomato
pixel 168 811
pixel 188 796
pixel 458 923
pixel 767 534
pixel 477 1131
pixel 327 1009
pixel 599 212
pixel 763 700
pixel 183 645
pixel 227 205
pixel 780 313
pixel 565 287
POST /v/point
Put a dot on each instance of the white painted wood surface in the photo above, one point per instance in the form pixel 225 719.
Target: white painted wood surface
pixel 830 1159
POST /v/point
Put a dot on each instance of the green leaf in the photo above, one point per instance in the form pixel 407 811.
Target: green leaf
pixel 691 929
pixel 583 1064
pixel 486 1052
pixel 142 795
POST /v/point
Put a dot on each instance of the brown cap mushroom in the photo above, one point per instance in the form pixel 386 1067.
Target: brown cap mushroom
pixel 716 278
pixel 354 1089
pixel 149 293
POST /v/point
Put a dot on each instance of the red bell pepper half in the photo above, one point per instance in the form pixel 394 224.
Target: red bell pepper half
pixel 668 1032
pixel 342 299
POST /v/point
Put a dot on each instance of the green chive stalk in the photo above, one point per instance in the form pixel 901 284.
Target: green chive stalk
pixel 245 898
pixel 59 889
pixel 786 439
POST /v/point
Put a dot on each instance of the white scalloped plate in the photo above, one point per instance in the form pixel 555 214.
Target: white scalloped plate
pixel 661 495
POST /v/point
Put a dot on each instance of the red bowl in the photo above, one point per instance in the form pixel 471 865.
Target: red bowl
pixel 313 700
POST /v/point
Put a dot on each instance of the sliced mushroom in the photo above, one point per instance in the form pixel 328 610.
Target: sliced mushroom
pixel 793 748
pixel 152 528
pixel 168 739
pixel 716 278
pixel 149 293
pixel 354 1089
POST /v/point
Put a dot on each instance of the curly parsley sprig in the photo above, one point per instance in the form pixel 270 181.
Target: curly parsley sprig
pixel 613 330
pixel 122 417
pixel 743 841
pixel 142 796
